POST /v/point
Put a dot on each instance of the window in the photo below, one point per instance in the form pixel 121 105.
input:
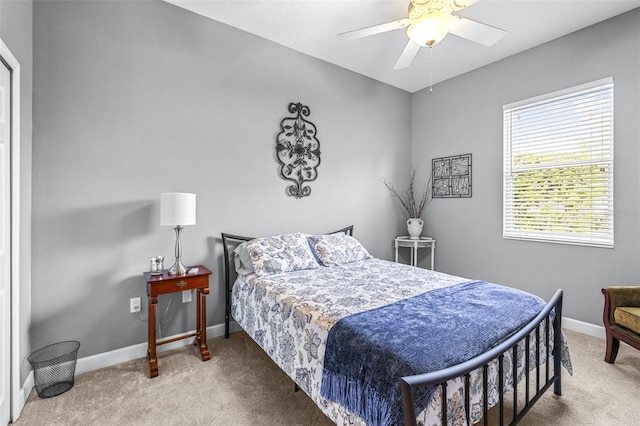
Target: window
pixel 558 166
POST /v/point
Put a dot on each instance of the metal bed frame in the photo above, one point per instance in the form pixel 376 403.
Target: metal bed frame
pixel 409 383
pixel 439 378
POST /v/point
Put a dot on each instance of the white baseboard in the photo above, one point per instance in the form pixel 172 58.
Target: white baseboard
pixel 107 359
pixel 23 395
pixel 583 327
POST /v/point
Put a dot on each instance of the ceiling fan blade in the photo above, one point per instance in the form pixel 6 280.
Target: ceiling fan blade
pixel 475 31
pixel 409 52
pixel 376 29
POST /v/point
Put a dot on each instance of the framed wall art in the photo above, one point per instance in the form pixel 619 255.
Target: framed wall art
pixel 451 177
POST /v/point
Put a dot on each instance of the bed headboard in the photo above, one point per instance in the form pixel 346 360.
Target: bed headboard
pixel 229 244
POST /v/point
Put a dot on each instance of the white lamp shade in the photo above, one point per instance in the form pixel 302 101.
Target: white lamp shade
pixel 430 29
pixel 177 209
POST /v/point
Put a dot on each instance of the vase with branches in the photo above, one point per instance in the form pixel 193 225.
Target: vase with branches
pixel 412 205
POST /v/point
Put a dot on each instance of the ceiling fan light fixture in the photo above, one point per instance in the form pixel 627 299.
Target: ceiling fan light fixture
pixel 430 28
pixel 458 5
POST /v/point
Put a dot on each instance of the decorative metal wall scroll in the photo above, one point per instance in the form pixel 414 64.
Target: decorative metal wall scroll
pixel 451 177
pixel 298 150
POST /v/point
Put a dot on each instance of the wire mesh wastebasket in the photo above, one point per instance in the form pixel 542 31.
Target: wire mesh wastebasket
pixel 54 367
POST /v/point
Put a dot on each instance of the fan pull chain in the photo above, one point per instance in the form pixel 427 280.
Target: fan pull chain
pixel 430 69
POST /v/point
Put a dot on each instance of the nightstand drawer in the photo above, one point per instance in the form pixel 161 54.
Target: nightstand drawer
pixel 180 283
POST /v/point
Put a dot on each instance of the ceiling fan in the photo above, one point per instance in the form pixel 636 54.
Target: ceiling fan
pixel 428 23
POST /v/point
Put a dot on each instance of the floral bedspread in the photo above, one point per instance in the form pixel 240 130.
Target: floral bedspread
pixel 290 314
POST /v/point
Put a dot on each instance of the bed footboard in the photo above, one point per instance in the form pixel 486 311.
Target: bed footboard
pixel 439 378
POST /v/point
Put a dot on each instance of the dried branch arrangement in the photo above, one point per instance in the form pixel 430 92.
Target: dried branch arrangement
pixel 412 208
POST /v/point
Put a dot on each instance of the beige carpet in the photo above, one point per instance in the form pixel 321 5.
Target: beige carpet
pixel 240 385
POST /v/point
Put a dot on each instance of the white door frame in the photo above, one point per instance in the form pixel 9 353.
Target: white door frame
pixel 14 387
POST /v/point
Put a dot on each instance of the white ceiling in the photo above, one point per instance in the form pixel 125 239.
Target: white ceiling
pixel 311 26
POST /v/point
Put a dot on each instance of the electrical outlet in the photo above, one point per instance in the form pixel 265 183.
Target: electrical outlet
pixel 186 296
pixel 134 305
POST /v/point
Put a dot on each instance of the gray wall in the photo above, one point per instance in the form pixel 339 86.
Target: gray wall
pixel 464 115
pixel 16 31
pixel 132 99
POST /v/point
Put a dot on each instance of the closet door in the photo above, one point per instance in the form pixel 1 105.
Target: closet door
pixel 5 241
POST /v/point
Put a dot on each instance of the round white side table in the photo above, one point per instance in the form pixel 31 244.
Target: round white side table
pixel 414 245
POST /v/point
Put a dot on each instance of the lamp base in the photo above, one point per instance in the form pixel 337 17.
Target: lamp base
pixel 177 269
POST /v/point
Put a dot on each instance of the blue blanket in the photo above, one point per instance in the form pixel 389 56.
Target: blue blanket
pixel 367 353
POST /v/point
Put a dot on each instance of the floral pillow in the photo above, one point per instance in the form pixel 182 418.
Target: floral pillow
pixel 282 253
pixel 337 249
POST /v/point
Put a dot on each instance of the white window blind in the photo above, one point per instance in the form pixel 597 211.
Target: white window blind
pixel 558 166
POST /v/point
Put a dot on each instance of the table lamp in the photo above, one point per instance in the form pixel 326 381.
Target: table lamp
pixel 177 209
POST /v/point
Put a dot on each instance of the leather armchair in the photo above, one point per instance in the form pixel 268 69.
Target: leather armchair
pixel 621 319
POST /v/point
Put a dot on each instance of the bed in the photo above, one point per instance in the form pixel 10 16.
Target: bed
pixel 381 343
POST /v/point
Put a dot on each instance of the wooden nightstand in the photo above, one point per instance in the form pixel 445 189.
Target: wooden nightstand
pixel 165 284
